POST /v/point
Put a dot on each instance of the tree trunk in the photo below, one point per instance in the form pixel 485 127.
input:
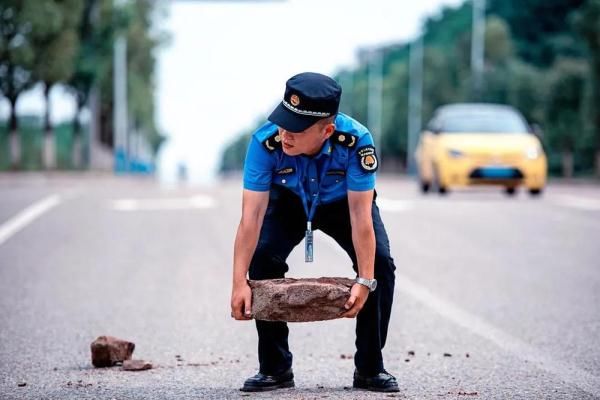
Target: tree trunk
pixel 76 151
pixel 567 163
pixel 49 152
pixel 15 140
pixel 596 106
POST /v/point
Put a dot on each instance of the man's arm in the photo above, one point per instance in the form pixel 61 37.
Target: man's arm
pixel 254 206
pixel 363 239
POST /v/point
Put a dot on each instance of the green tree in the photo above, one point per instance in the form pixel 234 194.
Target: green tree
pixel 135 21
pixel 16 63
pixel 587 22
pixel 498 41
pixel 56 43
pixel 539 28
pixel 92 61
pixel 566 83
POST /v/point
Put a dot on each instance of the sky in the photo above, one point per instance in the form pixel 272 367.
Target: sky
pixel 226 64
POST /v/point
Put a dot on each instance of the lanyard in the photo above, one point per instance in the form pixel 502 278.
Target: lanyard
pixel 308 237
pixel 315 202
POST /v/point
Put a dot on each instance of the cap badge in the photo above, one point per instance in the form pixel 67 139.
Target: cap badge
pixel 295 100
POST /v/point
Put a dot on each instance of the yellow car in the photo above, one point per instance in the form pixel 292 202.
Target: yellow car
pixel 473 144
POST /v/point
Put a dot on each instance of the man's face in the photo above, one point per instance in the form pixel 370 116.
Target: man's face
pixel 307 142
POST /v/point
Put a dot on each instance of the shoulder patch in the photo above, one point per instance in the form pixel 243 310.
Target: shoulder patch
pixel 367 158
pixel 273 142
pixel 345 139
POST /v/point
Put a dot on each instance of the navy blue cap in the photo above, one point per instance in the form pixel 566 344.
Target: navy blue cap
pixel 308 97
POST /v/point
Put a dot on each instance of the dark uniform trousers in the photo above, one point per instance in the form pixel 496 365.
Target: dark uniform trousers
pixel 283 228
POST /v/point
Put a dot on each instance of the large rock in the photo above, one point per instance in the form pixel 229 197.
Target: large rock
pixel 299 300
pixel 108 351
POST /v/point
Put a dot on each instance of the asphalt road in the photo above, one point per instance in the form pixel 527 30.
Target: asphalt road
pixel 497 297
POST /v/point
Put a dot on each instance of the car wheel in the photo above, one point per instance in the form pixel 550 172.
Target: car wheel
pixel 535 192
pixel 510 190
pixel 436 186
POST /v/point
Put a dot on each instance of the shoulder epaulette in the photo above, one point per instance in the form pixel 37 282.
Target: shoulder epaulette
pixel 273 142
pixel 345 139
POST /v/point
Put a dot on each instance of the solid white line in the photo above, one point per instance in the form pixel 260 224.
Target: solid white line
pixel 565 371
pixel 28 215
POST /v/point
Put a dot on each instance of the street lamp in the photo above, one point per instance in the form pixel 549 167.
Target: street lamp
pixel 375 95
pixel 477 47
pixel 415 100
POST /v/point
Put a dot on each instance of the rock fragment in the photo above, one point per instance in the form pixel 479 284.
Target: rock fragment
pixel 136 365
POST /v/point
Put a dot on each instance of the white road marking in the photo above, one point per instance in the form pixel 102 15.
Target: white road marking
pixel 195 202
pixel 28 215
pixel 565 371
pixel 582 203
pixel 391 205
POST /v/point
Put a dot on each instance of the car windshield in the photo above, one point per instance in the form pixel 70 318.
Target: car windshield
pixel 483 122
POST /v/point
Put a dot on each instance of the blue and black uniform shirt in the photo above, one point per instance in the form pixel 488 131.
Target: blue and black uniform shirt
pixel 349 155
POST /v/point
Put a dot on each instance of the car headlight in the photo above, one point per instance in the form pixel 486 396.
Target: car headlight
pixel 455 153
pixel 533 153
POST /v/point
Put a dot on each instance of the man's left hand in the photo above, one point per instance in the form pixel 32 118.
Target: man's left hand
pixel 358 297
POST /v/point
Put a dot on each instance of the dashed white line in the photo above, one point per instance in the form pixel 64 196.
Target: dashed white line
pixel 391 205
pixel 28 215
pixel 195 202
pixel 582 203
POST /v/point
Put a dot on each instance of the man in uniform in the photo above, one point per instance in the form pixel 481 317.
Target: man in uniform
pixel 311 168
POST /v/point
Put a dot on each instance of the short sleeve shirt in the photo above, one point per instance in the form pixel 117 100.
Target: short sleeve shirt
pixel 347 161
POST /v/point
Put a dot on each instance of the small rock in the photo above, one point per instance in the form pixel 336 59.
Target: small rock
pixel 411 353
pixel 467 355
pixel 136 365
pixel 447 355
pixel 22 384
pixel 462 393
pixel 407 360
pixel 108 350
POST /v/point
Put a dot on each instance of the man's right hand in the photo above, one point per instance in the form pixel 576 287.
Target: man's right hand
pixel 241 301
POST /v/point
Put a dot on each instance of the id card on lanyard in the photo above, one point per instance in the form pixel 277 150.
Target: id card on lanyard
pixel 310 213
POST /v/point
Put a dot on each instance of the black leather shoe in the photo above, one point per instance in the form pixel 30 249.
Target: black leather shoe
pixel 261 382
pixel 382 382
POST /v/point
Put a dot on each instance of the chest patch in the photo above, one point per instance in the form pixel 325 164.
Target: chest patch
pixel 285 171
pixel 368 158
